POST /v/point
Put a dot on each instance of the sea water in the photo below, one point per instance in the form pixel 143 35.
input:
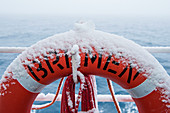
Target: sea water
pixel 21 31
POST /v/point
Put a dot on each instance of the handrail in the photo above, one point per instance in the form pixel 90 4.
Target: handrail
pixel 12 49
pixel 158 49
pixel 100 98
pixel 20 49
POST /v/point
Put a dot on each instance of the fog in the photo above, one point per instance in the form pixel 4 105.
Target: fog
pixel 86 7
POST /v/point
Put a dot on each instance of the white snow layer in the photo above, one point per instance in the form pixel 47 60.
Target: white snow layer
pixel 100 98
pixel 75 61
pixel 87 38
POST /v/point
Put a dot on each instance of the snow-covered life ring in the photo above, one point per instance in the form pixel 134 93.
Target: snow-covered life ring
pixel 102 54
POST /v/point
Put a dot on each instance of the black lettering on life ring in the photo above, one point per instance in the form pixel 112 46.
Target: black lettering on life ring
pixel 130 74
pixel 57 60
pixel 93 59
pixel 67 61
pixel 32 72
pixel 136 75
pixel 48 64
pixel 40 68
pixel 99 61
pixel 60 66
pixel 107 63
pixel 115 63
pixel 86 61
pixel 113 71
pixel 123 72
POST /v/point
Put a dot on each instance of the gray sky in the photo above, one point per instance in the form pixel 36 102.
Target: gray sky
pixel 119 7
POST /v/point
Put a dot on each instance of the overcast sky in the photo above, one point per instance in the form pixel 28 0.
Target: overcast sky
pixel 120 7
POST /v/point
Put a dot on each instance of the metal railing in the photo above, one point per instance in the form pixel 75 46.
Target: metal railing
pixel 100 98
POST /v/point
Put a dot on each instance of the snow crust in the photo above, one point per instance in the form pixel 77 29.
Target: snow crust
pixel 87 38
pixel 100 98
pixel 82 86
pixel 70 103
pixel 75 61
pixel 83 26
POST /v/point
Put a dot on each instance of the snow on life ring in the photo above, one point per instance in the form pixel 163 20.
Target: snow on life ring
pixel 102 54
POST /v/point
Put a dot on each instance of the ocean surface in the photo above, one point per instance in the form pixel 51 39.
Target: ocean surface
pixel 21 31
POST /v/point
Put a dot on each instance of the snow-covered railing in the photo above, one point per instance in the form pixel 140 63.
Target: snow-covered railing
pixel 100 98
pixel 158 49
pixel 12 49
pixel 20 49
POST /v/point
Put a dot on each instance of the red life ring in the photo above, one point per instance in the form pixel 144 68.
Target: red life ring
pixel 44 63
